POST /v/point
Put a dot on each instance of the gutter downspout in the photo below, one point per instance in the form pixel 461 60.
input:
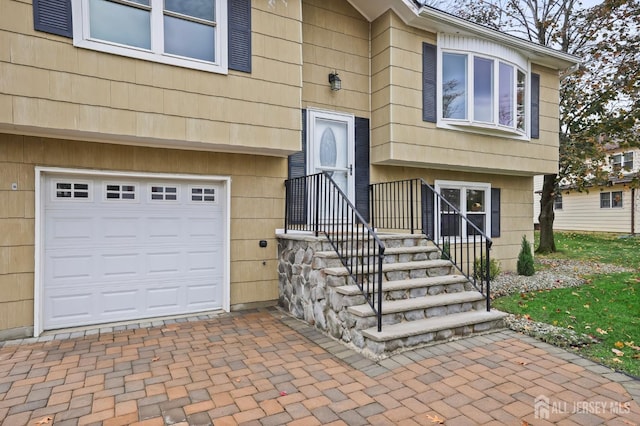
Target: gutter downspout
pixel 633 211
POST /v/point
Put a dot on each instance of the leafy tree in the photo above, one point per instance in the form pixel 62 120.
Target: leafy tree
pixel 599 102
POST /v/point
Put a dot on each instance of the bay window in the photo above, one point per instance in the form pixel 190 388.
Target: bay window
pixel 482 91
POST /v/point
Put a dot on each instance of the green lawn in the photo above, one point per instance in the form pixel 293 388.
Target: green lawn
pixel 606 308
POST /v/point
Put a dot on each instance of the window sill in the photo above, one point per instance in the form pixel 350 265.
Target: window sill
pixel 145 55
pixel 465 126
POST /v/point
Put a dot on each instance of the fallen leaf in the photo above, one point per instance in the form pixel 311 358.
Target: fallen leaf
pixel 617 360
pixel 575 294
pixel 155 358
pixel 586 306
pixel 635 356
pixel 44 421
pixel 619 345
pixel 523 362
pixel 435 419
pixel 601 331
pixel 525 423
pixel 617 352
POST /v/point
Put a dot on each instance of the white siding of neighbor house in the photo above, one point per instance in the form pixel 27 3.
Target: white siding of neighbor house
pixel 537 187
pixel 581 212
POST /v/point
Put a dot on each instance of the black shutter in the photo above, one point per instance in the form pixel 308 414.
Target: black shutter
pixel 495 212
pixel 429 212
pixel 429 82
pixel 53 16
pixel 239 25
pixel 297 207
pixel 362 166
pixel 535 106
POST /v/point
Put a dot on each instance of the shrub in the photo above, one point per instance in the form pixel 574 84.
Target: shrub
pixel 525 259
pixel 480 266
pixel 446 254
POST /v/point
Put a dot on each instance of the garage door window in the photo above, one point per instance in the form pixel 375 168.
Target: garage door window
pixel 77 190
pixel 164 193
pixel 120 192
pixel 204 195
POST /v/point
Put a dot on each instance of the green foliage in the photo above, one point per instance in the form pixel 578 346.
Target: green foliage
pixel 480 268
pixel 525 259
pixel 606 309
pixel 446 253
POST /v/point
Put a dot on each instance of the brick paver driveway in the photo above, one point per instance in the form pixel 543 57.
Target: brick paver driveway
pixel 264 368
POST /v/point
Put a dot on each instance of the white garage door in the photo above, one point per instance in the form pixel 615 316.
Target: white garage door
pixel 122 249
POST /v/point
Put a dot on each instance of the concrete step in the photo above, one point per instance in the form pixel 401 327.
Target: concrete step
pixel 407 285
pixel 388 251
pixel 433 325
pixel 420 303
pixel 393 267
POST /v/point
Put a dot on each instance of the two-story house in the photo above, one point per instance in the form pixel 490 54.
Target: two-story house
pixel 614 207
pixel 144 144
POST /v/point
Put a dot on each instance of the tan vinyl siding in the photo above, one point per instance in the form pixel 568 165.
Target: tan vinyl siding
pixel 50 87
pixel 257 209
pixel 336 38
pixel 581 212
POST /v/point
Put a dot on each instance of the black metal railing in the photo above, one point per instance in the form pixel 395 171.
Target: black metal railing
pixel 316 204
pixel 414 205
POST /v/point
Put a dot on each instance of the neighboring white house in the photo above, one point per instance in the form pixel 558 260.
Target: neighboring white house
pixel 614 207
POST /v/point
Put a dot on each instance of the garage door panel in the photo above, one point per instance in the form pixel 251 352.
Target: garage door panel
pixel 164 298
pixel 119 301
pixel 69 307
pixel 119 230
pixel 69 231
pixel 202 296
pixel 199 261
pixel 120 265
pixel 164 263
pixel 204 228
pixel 73 266
pixel 114 260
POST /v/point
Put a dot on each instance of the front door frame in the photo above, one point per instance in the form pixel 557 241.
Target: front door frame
pixel 314 114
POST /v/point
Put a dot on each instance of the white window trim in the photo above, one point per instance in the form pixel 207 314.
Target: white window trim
pixel 81 38
pixel 474 48
pixel 454 184
pixel 41 172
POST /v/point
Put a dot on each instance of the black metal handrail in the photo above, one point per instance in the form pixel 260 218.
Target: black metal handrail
pixel 413 205
pixel 316 204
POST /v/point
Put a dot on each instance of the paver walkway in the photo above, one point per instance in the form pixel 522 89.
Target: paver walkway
pixel 265 368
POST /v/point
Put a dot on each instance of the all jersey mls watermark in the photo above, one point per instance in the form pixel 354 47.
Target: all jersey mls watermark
pixel 544 408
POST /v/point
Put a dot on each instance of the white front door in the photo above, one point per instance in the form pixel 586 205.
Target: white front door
pixel 331 142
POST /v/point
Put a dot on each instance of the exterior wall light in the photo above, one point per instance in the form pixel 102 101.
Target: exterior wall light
pixel 334 81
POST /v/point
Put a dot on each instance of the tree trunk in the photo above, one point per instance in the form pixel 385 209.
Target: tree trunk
pixel 547 243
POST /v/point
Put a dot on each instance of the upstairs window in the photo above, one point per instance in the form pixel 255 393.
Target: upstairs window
pixel 482 91
pixel 622 161
pixel 189 33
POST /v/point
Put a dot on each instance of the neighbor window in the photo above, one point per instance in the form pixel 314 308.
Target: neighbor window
pixel 611 199
pixel 557 202
pixel 186 33
pixel 482 91
pixel 469 199
pixel 622 161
